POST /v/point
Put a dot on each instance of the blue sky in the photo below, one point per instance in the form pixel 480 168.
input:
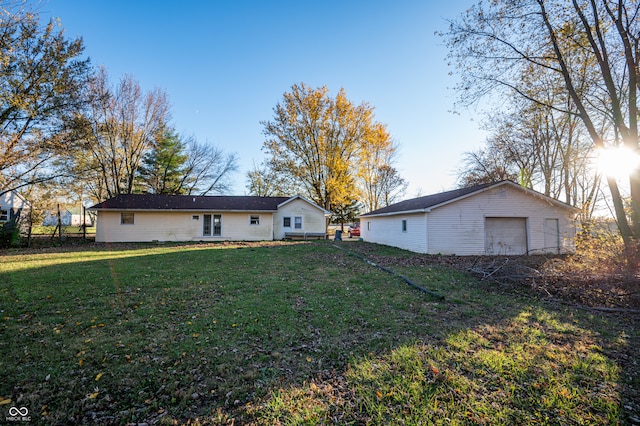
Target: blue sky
pixel 225 66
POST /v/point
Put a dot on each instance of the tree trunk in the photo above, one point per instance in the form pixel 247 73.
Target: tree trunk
pixel 621 218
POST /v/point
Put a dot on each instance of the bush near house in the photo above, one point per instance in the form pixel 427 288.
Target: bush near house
pixel 9 234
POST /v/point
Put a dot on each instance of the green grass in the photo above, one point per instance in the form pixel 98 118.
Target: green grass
pixel 52 230
pixel 297 333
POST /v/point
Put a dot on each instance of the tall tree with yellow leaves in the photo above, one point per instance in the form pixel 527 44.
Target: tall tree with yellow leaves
pixel 313 142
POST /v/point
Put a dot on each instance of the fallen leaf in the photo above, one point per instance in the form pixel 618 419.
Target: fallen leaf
pixel 98 376
pixel 93 395
pixel 5 401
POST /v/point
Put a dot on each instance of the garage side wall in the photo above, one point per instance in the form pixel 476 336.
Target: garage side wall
pixel 388 230
pixel 459 227
pixel 180 226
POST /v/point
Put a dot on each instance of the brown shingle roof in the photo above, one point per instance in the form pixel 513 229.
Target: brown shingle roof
pixel 190 202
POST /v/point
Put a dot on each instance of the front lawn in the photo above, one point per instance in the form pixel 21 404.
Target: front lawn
pixel 296 333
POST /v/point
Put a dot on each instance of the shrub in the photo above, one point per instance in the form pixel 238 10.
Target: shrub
pixel 10 234
pixel 600 250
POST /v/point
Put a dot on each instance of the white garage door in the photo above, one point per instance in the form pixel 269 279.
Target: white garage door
pixel 505 235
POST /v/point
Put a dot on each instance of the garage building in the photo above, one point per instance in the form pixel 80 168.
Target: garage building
pixel 502 218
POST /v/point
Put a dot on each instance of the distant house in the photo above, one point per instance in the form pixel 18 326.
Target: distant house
pixel 69 216
pixel 140 218
pixel 12 206
pixel 491 219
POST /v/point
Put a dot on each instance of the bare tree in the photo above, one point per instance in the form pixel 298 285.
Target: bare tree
pixel 207 169
pixel 484 166
pixel 591 45
pixel 379 182
pixel 118 130
pixel 265 182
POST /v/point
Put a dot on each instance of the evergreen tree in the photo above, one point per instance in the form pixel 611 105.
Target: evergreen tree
pixel 162 168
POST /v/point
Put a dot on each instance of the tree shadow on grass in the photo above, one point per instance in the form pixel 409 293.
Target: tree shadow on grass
pixel 294 334
pixel 529 369
pixel 498 356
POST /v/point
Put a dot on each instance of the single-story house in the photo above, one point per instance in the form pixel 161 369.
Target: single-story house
pixel 144 218
pixel 502 218
pixel 69 216
pixel 12 206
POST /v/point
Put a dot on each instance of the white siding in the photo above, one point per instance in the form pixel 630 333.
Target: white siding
pixel 505 235
pixel 458 227
pixel 11 200
pixel 388 230
pixel 313 220
pixel 180 226
pixel 13 205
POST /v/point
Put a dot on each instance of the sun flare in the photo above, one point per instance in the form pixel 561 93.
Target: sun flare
pixel 618 162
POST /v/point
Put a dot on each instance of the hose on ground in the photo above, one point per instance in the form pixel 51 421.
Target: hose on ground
pixel 390 271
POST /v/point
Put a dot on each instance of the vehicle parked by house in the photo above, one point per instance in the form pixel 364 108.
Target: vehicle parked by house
pixel 354 230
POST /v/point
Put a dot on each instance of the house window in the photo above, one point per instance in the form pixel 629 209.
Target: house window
pixel 217 225
pixel 286 222
pixel 404 225
pixel 4 215
pixel 195 217
pixel 211 225
pixel 254 219
pixel 126 218
pixel 368 226
pixel 206 225
pixel 298 222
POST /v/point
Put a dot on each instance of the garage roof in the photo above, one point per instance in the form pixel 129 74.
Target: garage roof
pixel 426 203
